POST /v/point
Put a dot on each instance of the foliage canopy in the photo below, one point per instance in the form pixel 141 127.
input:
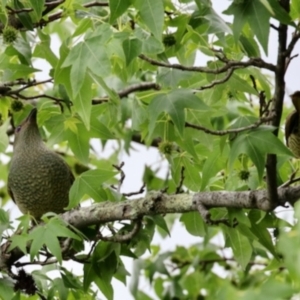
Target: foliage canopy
pixel 187 80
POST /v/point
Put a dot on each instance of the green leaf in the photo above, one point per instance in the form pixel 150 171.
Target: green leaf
pixel 70 280
pixel 257 16
pixel 161 222
pixel 24 17
pixel 4 221
pixel 89 183
pixel 158 266
pixel 288 245
pixel 240 12
pixel 3 136
pixel 22 49
pixel 277 11
pixel 216 23
pixel 58 285
pixel 103 266
pixel 53 245
pixel 174 103
pixel 100 130
pixel 250 46
pixel 193 223
pixel 260 230
pixel 87 55
pixel 83 27
pixel 105 287
pixel 213 164
pixel 259 19
pixel 79 142
pixel 19 241
pixel 117 8
pixel 103 250
pixel 257 144
pixel 59 228
pixel 48 235
pixel 38 236
pixel 113 96
pixel 15 71
pixel 191 283
pixel 82 102
pixel 139 114
pixel 151 45
pixel 132 48
pixel 152 14
pixel 275 289
pixel 6 288
pixel 191 174
pixel 295 9
pixel 243 85
pixel 89 276
pixel 43 49
pixel 241 247
pixel 38 7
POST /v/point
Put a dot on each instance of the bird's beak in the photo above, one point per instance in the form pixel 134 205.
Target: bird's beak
pixel 32 116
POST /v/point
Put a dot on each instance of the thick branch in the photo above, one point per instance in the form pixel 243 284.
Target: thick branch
pixel 277 104
pixel 157 203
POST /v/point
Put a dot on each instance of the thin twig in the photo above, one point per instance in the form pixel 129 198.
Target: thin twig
pixel 229 131
pixel 140 191
pixel 291 45
pixel 18 11
pixel 179 187
pixel 291 180
pixel 27 85
pixel 220 81
pixel 288 61
pixel 143 86
pixel 50 261
pixel 60 14
pixel 205 214
pixel 119 168
pixel 121 238
pixel 229 64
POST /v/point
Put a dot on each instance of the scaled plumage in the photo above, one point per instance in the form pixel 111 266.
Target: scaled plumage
pixel 39 180
pixel 292 126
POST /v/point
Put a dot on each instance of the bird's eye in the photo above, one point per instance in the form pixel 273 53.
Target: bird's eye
pixel 18 128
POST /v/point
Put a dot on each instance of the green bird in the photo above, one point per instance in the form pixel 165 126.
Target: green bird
pixel 39 180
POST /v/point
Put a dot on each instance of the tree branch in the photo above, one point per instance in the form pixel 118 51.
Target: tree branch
pixel 49 6
pixel 220 81
pixel 229 64
pixel 230 131
pixel 60 14
pixel 291 45
pixel 156 203
pixel 277 104
pixel 143 86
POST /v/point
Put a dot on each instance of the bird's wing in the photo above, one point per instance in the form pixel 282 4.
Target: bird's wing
pixel 72 177
pixel 11 193
pixel 291 123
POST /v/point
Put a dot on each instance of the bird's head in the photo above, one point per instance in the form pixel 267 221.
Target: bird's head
pixel 27 133
pixel 296 100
